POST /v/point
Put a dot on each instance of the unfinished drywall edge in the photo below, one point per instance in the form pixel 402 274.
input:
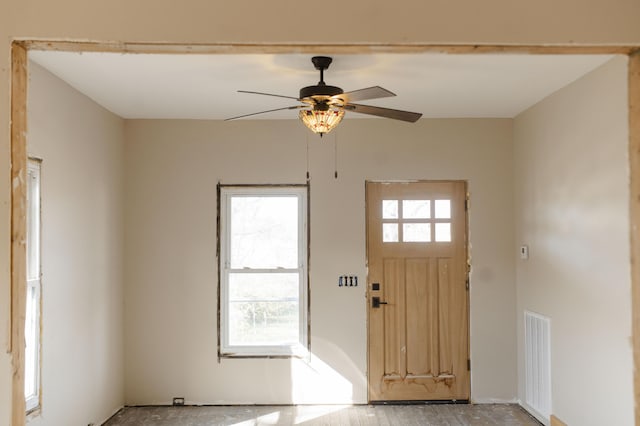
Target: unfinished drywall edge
pixel 634 206
pixel 18 139
pixel 18 227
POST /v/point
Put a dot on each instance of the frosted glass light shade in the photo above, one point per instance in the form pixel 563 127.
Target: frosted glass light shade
pixel 321 121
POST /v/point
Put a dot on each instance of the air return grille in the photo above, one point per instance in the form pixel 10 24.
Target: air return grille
pixel 538 364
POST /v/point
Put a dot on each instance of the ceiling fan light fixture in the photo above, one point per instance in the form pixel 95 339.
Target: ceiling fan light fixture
pixel 321 121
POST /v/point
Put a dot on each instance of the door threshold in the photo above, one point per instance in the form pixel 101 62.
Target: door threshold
pixel 421 402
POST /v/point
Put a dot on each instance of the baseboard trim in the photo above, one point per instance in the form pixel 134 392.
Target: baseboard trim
pixel 494 401
pixel 556 421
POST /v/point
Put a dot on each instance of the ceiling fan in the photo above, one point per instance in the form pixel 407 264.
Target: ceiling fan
pixel 324 106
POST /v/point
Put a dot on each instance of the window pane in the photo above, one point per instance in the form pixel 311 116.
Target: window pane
pixel 33 221
pixel 443 232
pixel 390 232
pixel 416 232
pixel 263 309
pixel 276 286
pixel 443 209
pixel 389 209
pixel 416 209
pixel 264 232
pixel 31 339
pixel 263 323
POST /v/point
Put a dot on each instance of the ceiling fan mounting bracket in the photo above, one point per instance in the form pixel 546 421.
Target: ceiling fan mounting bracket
pixel 321 62
pixel 321 89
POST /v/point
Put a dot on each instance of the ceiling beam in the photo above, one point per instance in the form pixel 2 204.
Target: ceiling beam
pixel 248 48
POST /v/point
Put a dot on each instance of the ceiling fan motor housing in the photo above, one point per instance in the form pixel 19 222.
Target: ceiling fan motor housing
pixel 320 90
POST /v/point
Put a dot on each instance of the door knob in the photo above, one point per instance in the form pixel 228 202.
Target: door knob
pixel 375 302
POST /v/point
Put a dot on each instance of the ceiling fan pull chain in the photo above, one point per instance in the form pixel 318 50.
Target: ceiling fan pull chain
pixel 335 155
pixel 307 135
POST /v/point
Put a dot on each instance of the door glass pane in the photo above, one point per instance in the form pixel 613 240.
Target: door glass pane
pixel 263 309
pixel 416 209
pixel 443 232
pixel 416 232
pixel 390 232
pixel 443 209
pixel 389 209
pixel 264 232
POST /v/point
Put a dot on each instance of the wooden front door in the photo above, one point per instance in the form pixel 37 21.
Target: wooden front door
pixel 417 291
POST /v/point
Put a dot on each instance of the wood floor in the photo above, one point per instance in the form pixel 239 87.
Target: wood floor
pixel 388 415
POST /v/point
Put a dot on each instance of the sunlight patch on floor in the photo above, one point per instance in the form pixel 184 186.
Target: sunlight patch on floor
pixel 266 419
pixel 305 413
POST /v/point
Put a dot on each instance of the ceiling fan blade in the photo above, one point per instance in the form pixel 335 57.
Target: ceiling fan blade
pixel 374 92
pixel 395 114
pixel 264 112
pixel 266 94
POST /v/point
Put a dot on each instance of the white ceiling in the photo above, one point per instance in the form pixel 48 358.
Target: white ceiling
pixel 205 86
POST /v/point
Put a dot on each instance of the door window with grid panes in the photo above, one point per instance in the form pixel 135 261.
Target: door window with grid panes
pixel 419 221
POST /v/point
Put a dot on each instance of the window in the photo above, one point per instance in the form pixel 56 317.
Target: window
pixel 263 289
pixel 32 317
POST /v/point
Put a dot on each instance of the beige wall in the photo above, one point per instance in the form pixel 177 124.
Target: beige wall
pixel 81 146
pixel 172 168
pixel 572 209
pixel 405 21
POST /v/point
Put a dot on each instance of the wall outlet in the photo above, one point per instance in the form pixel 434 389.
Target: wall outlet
pixel 178 400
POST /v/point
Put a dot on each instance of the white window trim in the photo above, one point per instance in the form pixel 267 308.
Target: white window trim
pixel 299 349
pixel 32 401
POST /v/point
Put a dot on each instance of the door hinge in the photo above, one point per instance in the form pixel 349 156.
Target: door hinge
pixel 468 365
pixel 466 205
pixel 467 283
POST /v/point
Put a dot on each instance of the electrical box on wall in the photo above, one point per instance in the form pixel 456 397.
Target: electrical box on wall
pixel 524 252
pixel 348 281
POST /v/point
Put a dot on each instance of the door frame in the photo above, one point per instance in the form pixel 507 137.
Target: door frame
pixel 18 111
pixel 467 260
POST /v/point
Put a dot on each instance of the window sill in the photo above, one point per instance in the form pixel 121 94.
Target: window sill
pixel 298 351
pixel 33 412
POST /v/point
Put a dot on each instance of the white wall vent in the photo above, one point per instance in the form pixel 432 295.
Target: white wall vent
pixel 537 357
